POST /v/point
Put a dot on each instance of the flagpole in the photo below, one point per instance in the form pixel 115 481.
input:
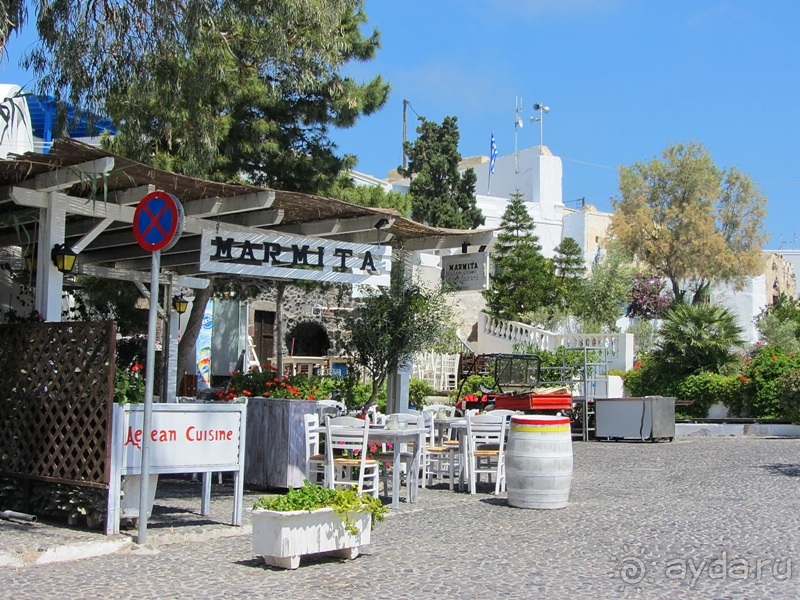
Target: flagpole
pixel 492 160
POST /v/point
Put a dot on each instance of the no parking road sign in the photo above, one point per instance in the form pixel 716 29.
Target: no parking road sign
pixel 158 221
pixel 157 225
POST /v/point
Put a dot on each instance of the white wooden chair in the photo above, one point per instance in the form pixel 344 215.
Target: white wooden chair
pixel 315 462
pixel 435 409
pixel 346 450
pixel 486 449
pixel 442 459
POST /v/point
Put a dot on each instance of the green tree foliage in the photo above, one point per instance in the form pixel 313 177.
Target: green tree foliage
pixel 231 90
pixel 393 323
pixel 372 196
pixel 789 389
pixel 107 300
pixel 440 195
pixel 698 338
pixel 603 297
pixel 569 269
pixel 690 221
pixel 645 336
pixel 13 14
pixel 522 278
pixel 779 323
pixel 767 385
pixel 221 90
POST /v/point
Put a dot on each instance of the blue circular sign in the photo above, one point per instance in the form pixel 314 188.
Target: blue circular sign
pixel 158 221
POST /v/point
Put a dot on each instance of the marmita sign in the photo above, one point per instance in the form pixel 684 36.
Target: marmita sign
pixel 278 256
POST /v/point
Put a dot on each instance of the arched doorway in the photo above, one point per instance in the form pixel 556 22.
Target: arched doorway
pixel 308 338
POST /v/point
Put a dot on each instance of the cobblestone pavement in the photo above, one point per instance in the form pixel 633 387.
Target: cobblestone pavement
pixel 695 518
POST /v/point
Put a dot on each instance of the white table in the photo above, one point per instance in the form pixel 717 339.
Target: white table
pixel 443 424
pixel 397 438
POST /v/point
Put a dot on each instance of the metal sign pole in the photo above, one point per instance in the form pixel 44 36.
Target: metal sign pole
pixel 144 488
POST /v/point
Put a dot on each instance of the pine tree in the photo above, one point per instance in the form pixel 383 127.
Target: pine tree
pixel 440 195
pixel 522 281
pixel 227 91
pixel 569 269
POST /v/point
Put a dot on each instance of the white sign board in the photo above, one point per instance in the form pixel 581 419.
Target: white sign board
pixel 182 439
pixel 466 272
pixel 280 256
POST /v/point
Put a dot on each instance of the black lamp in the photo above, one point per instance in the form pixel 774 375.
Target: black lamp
pixel 63 258
pixel 382 224
pixel 180 304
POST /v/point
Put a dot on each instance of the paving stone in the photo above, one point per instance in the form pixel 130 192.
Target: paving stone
pixel 695 518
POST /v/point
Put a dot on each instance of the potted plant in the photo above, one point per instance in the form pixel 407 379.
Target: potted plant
pixel 276 410
pixel 129 388
pixel 311 520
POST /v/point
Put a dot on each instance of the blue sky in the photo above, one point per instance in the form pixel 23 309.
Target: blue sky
pixel 623 79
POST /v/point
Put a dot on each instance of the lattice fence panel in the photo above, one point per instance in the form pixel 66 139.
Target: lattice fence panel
pixel 56 394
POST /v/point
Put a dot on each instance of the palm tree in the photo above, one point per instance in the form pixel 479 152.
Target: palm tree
pixel 697 338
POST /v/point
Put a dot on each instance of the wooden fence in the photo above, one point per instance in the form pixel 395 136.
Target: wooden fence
pixel 56 394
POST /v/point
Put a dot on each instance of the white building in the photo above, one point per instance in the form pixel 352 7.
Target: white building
pixel 537 174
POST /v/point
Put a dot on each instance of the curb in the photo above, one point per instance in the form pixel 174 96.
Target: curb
pixel 82 550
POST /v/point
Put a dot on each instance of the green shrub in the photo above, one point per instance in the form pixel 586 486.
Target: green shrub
pixel 561 366
pixel 418 390
pixel 472 385
pixel 354 393
pixel 705 389
pixel 698 338
pixel 128 385
pixel 761 394
pixel 789 389
pixel 648 378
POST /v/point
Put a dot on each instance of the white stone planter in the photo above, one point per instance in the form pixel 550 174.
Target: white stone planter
pixel 129 504
pixel 283 537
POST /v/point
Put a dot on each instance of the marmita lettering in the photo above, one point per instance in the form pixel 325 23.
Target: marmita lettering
pixel 463 267
pixel 248 253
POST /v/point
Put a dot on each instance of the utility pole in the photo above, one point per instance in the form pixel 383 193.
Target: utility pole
pixel 405 132
pixel 517 126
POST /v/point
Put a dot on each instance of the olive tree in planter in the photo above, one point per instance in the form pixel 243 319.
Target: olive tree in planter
pixel 391 324
pixel 313 520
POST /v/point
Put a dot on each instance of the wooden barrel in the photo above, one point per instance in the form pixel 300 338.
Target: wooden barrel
pixel 539 461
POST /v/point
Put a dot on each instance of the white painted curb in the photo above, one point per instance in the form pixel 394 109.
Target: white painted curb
pixel 82 550
pixel 736 430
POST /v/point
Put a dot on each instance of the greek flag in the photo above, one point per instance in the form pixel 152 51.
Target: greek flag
pixel 492 155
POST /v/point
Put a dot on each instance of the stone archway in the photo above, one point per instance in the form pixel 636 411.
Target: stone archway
pixel 308 338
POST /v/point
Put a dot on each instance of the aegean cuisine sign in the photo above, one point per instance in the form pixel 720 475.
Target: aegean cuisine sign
pixel 466 272
pixel 278 256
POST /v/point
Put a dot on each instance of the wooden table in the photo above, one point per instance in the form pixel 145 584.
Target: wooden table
pixel 399 437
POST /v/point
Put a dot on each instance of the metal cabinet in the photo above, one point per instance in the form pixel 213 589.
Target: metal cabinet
pixel 646 418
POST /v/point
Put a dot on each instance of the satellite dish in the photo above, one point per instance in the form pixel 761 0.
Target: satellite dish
pixel 518 121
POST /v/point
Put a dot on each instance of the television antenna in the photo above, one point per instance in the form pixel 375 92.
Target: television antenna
pixel 542 110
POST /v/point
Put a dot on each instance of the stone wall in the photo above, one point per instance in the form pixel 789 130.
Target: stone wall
pixel 325 306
